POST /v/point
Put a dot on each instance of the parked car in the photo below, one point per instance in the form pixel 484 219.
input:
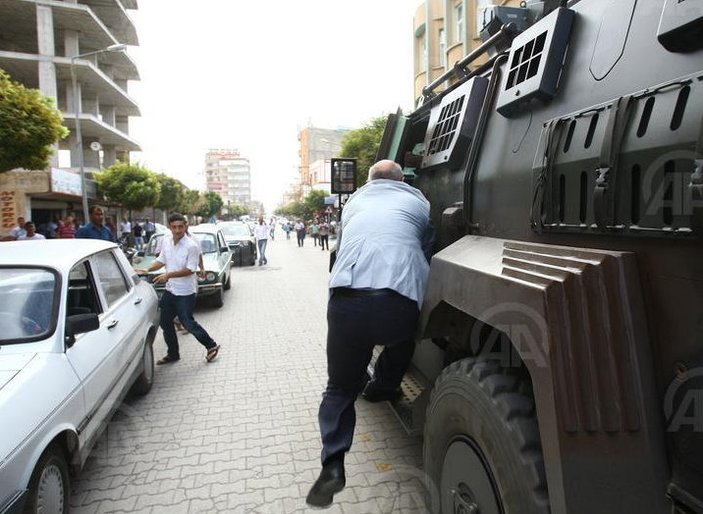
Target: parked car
pixel 241 241
pixel 216 259
pixel 76 332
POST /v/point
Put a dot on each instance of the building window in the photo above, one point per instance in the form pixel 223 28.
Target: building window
pixel 459 22
pixel 442 48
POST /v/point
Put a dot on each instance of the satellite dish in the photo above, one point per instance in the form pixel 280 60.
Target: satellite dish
pixel 95 146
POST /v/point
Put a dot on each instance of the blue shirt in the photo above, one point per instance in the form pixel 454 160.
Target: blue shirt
pixel 386 240
pixel 90 231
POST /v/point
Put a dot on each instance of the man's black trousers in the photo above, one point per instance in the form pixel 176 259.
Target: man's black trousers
pixel 358 320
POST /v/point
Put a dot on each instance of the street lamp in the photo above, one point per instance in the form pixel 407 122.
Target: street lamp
pixel 77 108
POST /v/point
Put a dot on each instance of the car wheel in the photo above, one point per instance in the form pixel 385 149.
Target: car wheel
pixel 218 299
pixel 482 449
pixel 50 486
pixel 146 378
pixel 228 283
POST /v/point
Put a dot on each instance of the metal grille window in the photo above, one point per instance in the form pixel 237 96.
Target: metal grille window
pixel 526 61
pixel 443 133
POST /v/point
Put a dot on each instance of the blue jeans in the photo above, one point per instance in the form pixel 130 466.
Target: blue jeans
pixel 262 250
pixel 181 306
pixel 355 324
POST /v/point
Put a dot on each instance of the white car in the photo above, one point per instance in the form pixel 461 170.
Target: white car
pixel 76 333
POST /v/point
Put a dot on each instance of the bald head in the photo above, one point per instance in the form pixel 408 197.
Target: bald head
pixel 386 169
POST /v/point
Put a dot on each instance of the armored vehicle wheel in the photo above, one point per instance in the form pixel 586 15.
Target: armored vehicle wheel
pixel 482 450
pixel 49 487
pixel 228 282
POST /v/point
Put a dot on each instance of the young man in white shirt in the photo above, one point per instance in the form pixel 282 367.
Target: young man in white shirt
pixel 30 233
pixel 179 255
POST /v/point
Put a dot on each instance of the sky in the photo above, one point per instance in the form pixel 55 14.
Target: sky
pixel 249 74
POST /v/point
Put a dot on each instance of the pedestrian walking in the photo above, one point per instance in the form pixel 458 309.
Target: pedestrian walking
pixel 315 231
pixel 179 255
pixel 324 236
pixel 287 229
pixel 125 230
pixel 261 233
pixel 16 231
pixel 138 232
pixel 377 284
pixel 272 229
pixel 149 230
pixel 95 228
pixel 300 232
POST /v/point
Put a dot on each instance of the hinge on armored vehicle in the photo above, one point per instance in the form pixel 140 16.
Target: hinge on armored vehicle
pixel 627 166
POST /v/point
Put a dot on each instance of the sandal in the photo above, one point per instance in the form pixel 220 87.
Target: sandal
pixel 212 353
pixel 166 360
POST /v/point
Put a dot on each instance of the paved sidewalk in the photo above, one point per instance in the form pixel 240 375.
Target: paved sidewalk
pixel 240 435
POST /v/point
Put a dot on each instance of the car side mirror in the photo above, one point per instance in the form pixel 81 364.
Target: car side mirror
pixel 224 249
pixel 80 324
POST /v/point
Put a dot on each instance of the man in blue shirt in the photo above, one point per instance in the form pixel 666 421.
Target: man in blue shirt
pixel 95 229
pixel 377 284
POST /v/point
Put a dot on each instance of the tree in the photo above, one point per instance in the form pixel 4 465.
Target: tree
pixel 363 144
pixel 171 192
pixel 190 202
pixel 130 185
pixel 211 205
pixel 305 209
pixel 29 126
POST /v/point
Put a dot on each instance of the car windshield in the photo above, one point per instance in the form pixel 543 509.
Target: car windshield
pixel 28 304
pixel 153 247
pixel 235 230
pixel 207 242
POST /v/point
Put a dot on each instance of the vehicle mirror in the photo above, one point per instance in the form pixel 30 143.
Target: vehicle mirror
pixel 80 324
pixel 224 249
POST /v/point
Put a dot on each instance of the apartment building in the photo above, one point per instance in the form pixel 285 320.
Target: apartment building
pixel 446 31
pixel 228 174
pixel 317 146
pixel 45 44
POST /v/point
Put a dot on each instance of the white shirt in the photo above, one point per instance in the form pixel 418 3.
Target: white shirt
pixel 386 240
pixel 126 227
pixel 18 232
pixel 35 237
pixel 261 231
pixel 176 257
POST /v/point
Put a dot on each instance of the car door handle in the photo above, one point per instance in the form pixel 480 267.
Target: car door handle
pixel 112 324
pixel 137 301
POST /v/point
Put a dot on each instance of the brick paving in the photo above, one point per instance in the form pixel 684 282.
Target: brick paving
pixel 240 435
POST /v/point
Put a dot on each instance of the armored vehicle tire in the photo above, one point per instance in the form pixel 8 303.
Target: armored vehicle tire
pixel 482 449
pixel 50 486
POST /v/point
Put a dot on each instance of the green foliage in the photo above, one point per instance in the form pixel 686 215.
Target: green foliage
pixel 363 144
pixel 210 205
pixel 189 203
pixel 29 126
pixel 236 210
pixel 307 209
pixel 171 192
pixel 129 185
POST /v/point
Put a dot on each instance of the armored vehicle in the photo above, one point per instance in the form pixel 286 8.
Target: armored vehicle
pixel 561 362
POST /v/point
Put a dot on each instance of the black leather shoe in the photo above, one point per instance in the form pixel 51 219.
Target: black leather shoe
pixel 373 395
pixel 330 482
